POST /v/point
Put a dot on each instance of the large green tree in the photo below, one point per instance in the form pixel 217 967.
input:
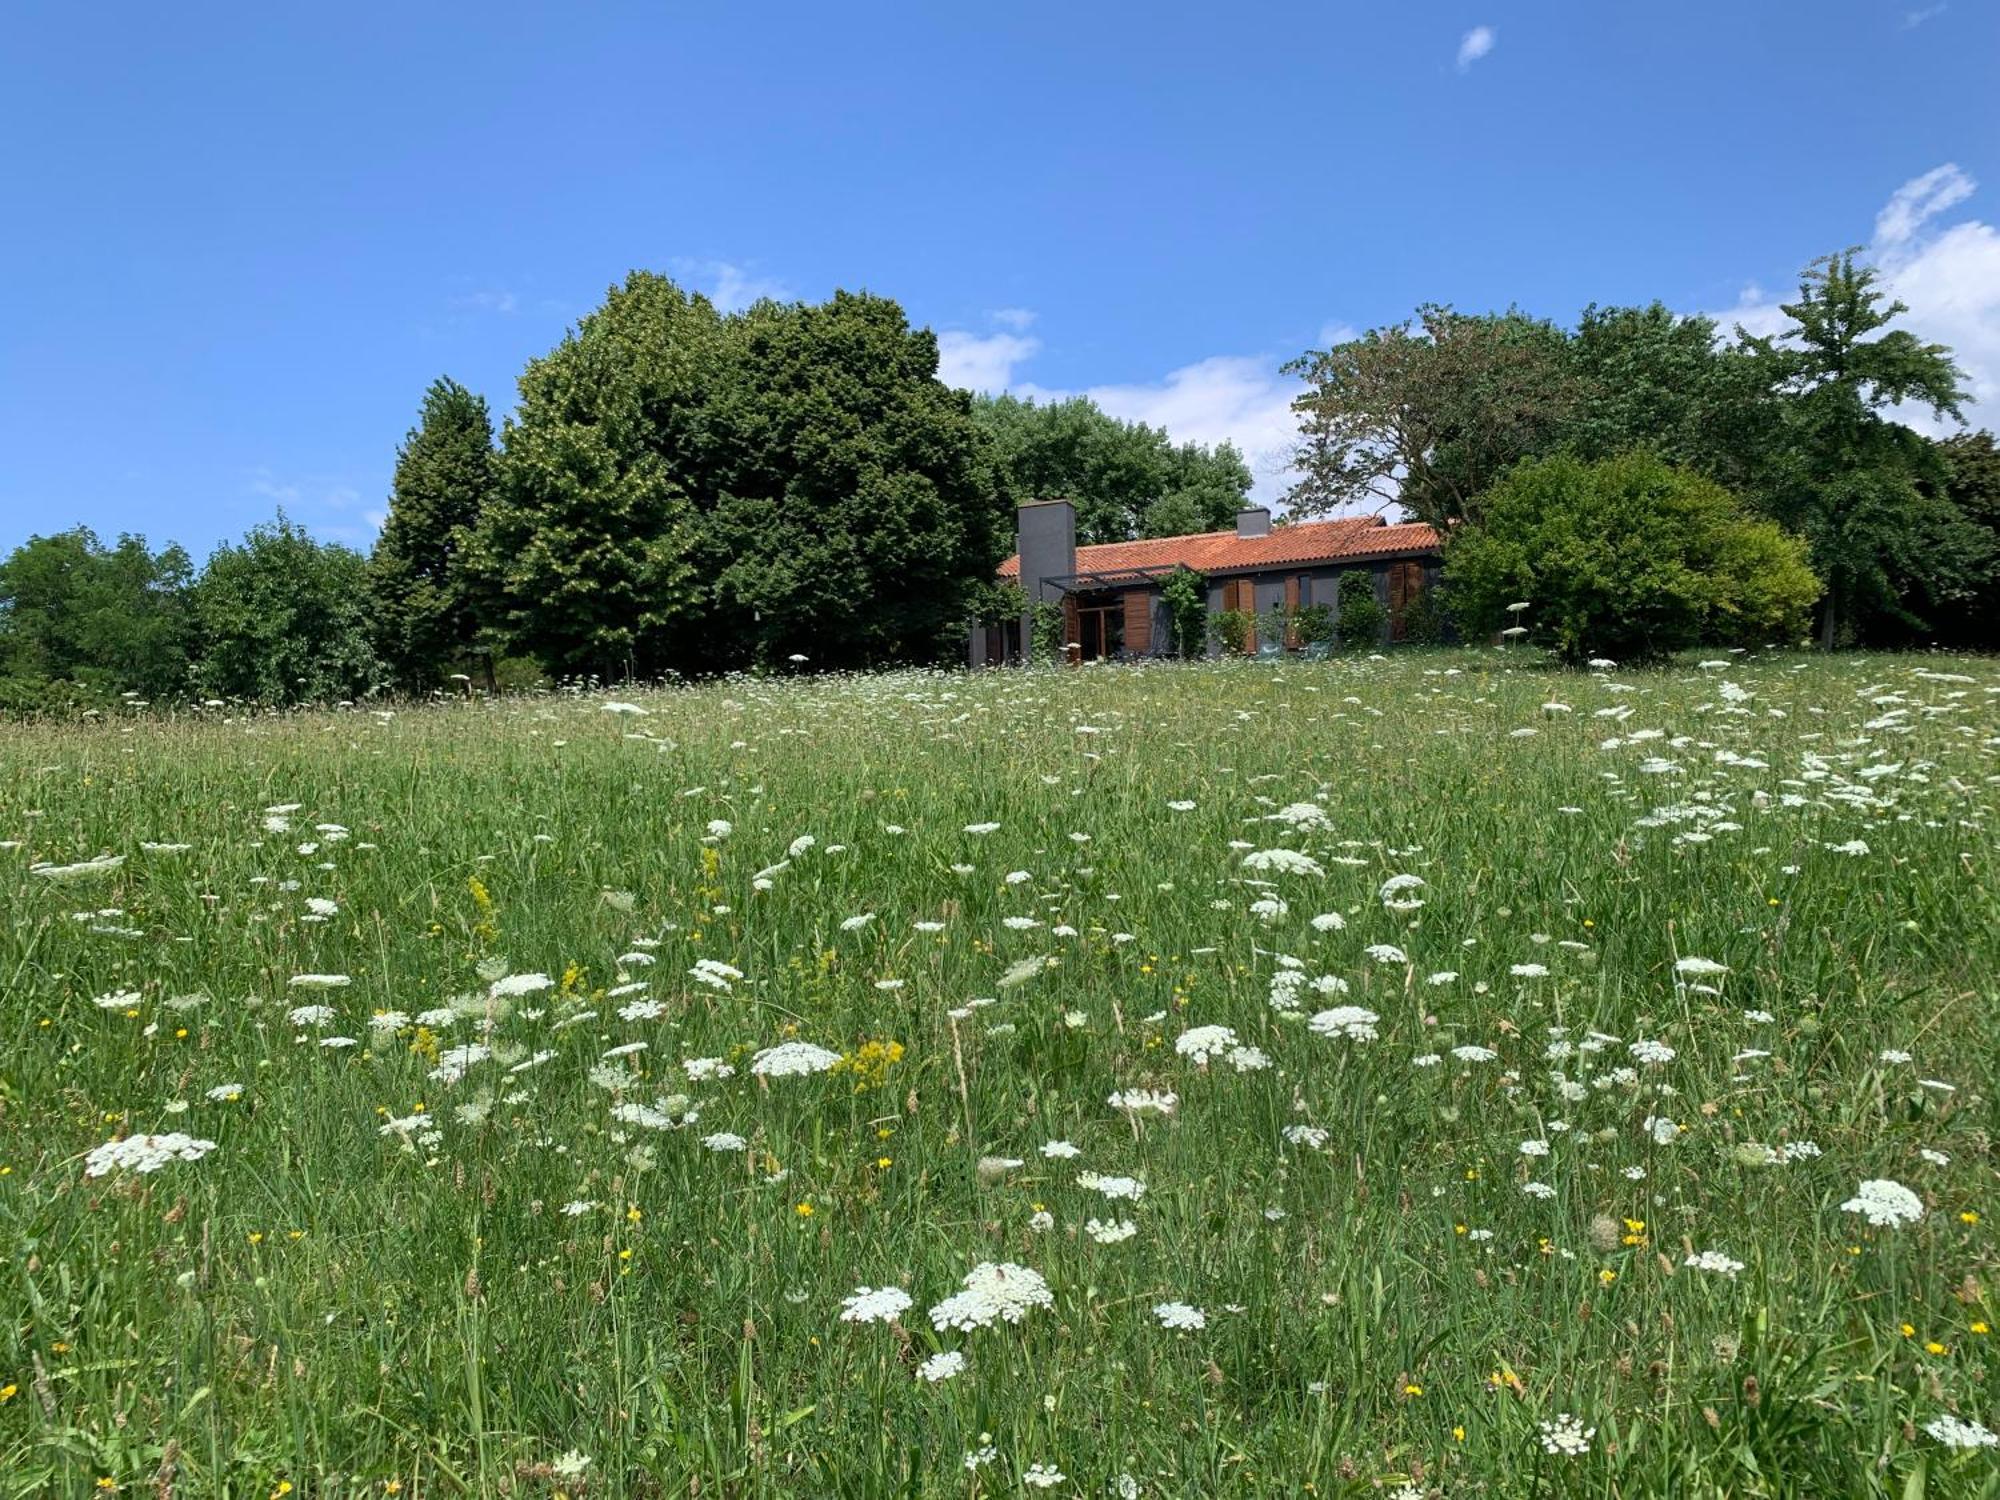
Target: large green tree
pixel 585 549
pixel 1428 414
pixel 114 619
pixel 1628 557
pixel 1648 377
pixel 1970 466
pixel 1126 479
pixel 284 619
pixel 425 620
pixel 1864 489
pixel 685 491
pixel 848 508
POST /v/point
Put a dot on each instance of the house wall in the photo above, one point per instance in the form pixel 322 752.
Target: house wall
pixel 1317 585
pixel 1149 630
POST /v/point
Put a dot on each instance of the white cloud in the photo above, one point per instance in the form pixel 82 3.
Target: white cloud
pixel 1912 19
pixel 1227 398
pixel 982 362
pixel 496 301
pixel 1950 277
pixel 1918 201
pixel 319 504
pixel 731 287
pixel 1474 45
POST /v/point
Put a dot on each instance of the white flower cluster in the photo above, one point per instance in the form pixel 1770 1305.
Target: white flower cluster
pixel 1200 1043
pixel 1354 1022
pixel 1180 1316
pixel 144 1153
pixel 1885 1203
pixel 714 973
pixel 1129 1188
pixel 792 1060
pixel 1567 1436
pixel 994 1292
pixel 1715 1260
pixel 1955 1432
pixel 877 1305
pixel 1282 862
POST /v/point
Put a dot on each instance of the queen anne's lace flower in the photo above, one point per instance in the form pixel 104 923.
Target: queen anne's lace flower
pixel 1567 1436
pixel 1282 862
pixel 1885 1203
pixel 792 1060
pixel 880 1305
pixel 994 1292
pixel 1180 1316
pixel 1956 1432
pixel 144 1153
pixel 1200 1043
pixel 1353 1022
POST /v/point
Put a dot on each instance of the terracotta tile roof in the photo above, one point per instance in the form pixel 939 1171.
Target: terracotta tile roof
pixel 1349 539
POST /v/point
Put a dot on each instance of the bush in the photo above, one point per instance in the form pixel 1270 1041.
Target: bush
pixel 1313 624
pixel 1629 558
pixel 1233 628
pixel 1185 593
pixel 1427 619
pixel 1361 616
pixel 284 619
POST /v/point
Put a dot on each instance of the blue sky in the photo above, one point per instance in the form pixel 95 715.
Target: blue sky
pixel 242 239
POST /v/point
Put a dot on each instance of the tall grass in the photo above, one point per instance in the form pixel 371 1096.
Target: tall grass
pixel 370 1284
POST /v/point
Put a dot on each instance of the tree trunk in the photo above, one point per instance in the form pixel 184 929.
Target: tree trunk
pixel 1830 618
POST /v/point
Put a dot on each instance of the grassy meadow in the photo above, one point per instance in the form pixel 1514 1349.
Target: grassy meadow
pixel 1432 1075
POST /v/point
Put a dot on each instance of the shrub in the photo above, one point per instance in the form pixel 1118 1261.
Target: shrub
pixel 1233 628
pixel 1361 615
pixel 1313 624
pixel 1427 619
pixel 1185 593
pixel 1629 558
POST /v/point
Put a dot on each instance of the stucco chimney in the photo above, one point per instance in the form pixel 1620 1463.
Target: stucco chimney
pixel 1045 536
pixel 1253 522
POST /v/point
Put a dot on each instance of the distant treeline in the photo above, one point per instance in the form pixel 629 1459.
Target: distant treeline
pixel 684 491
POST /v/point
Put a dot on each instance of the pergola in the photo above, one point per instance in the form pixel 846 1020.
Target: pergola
pixel 1111 578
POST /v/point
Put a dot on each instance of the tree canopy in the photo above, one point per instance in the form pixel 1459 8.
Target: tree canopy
pixel 1863 488
pixel 1125 479
pixel 426 615
pixel 1626 557
pixel 682 490
pixel 109 619
pixel 284 619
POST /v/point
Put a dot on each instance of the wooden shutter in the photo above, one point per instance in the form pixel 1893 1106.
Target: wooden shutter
pixel 1240 594
pixel 1138 622
pixel 1291 609
pixel 1406 581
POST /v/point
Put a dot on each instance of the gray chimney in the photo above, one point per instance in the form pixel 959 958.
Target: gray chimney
pixel 1253 522
pixel 1045 534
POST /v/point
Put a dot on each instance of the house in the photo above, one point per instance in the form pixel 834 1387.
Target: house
pixel 1110 593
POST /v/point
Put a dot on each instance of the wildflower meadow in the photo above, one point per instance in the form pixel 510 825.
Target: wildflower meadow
pixel 1431 1075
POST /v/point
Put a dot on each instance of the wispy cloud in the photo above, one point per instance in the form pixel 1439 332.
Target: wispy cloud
pixel 1474 45
pixel 982 362
pixel 729 285
pixel 1232 398
pixel 1912 19
pixel 1226 398
pixel 325 507
pixel 1918 201
pixel 493 301
pixel 1949 276
pixel 1020 319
